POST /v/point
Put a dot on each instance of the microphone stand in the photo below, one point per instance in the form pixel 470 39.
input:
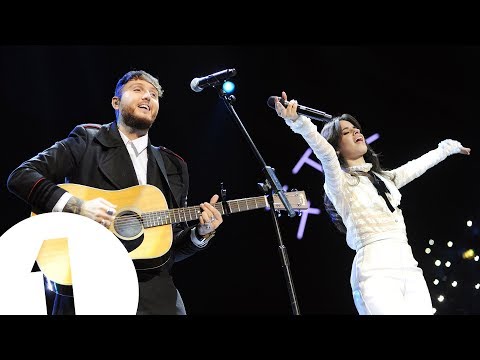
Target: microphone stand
pixel 273 186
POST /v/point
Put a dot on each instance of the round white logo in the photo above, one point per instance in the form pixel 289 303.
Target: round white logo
pixel 103 276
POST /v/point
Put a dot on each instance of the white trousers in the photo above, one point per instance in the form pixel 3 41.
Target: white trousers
pixel 386 280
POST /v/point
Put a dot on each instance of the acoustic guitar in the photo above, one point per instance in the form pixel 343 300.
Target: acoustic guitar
pixel 143 223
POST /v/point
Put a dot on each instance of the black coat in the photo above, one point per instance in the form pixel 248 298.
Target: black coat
pixel 95 155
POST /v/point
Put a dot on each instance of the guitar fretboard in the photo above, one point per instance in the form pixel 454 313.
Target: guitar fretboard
pixel 173 216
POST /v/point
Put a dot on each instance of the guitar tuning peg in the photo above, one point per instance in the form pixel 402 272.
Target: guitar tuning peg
pixel 294 189
pixel 264 186
pixel 223 192
pixel 299 213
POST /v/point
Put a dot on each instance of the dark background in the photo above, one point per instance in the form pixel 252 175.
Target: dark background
pixel 412 95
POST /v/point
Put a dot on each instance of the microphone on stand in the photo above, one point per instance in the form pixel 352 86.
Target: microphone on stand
pixel 198 84
pixel 303 110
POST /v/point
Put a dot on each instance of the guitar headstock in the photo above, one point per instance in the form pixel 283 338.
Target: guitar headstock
pixel 297 200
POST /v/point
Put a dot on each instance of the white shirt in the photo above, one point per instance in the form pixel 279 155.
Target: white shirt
pixel 364 213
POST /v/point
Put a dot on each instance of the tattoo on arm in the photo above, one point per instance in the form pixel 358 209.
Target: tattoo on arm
pixel 74 205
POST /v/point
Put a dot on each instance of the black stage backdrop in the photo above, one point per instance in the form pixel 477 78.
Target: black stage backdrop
pixel 410 97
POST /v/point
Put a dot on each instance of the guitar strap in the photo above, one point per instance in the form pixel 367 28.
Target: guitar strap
pixel 155 177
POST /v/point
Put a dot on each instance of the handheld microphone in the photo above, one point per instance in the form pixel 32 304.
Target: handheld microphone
pixel 311 113
pixel 198 84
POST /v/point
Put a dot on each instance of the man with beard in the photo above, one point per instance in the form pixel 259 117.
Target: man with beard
pixel 119 156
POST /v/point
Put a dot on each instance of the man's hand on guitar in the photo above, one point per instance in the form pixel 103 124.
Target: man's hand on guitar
pixel 99 210
pixel 210 218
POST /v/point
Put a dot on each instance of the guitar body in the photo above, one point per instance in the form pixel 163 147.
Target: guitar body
pixel 148 247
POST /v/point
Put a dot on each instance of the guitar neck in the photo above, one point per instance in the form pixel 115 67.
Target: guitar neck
pixel 173 216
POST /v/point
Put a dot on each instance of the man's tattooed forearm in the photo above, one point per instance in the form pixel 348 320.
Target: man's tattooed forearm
pixel 74 205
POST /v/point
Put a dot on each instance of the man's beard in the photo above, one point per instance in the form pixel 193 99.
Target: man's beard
pixel 134 122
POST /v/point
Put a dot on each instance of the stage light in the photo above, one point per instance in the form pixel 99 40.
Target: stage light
pixel 468 254
pixel 450 244
pixel 469 223
pixel 228 87
pixel 431 242
pixel 428 250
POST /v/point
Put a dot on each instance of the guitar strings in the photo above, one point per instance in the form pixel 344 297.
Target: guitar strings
pixel 168 216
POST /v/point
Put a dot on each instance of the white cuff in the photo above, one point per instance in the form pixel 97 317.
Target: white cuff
pixel 200 243
pixel 303 125
pixel 450 146
pixel 62 202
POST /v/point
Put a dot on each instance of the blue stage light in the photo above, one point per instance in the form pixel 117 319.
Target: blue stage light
pixel 228 87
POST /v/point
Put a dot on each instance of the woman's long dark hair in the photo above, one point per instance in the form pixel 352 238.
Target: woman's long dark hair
pixel 332 132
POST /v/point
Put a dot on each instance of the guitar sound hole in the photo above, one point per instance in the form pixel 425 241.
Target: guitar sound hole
pixel 128 224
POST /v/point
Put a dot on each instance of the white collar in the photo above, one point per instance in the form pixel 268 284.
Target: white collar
pixel 366 167
pixel 140 144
